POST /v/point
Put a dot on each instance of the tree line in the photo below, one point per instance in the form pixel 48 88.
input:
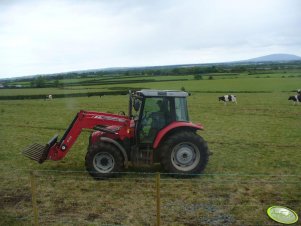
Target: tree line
pixel 198 71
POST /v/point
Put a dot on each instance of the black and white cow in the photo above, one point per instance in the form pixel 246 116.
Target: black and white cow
pixel 48 97
pixel 295 99
pixel 228 98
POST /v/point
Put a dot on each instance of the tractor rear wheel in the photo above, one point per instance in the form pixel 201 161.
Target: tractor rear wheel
pixel 184 153
pixel 103 160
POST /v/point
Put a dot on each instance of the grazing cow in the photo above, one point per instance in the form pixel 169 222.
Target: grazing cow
pixel 295 99
pixel 48 97
pixel 228 98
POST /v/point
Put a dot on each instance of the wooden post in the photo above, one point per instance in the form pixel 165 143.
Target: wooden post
pixel 34 198
pixel 158 199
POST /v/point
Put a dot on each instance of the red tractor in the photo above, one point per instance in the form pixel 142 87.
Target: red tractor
pixel 158 130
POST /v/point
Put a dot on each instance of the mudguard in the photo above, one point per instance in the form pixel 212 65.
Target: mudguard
pixel 121 149
pixel 174 125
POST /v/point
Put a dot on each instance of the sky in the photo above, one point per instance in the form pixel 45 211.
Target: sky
pixel 52 36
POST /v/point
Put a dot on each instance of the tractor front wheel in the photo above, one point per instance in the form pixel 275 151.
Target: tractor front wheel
pixel 184 153
pixel 103 160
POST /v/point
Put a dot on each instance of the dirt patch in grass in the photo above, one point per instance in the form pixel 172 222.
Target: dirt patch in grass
pixel 13 198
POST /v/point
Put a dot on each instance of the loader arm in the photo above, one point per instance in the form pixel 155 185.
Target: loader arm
pixel 56 150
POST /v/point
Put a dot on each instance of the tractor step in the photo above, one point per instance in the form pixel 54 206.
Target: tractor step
pixel 39 152
pixel 142 156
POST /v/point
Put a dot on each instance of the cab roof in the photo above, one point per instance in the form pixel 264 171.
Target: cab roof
pixel 161 93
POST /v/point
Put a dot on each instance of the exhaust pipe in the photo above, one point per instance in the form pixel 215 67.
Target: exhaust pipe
pixel 39 152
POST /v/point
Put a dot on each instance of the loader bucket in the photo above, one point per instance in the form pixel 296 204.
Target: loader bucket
pixel 39 152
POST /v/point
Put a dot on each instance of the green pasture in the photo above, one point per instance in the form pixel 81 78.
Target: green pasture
pixel 255 136
pixel 258 136
pixel 247 138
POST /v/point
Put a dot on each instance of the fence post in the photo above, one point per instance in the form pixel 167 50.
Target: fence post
pixel 158 199
pixel 34 197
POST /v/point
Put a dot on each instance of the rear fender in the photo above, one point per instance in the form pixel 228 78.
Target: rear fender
pixel 172 126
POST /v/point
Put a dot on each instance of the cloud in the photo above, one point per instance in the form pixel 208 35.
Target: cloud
pixel 54 36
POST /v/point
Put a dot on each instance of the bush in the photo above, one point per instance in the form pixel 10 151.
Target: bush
pixel 198 77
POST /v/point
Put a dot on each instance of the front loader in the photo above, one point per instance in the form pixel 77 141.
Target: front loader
pixel 156 130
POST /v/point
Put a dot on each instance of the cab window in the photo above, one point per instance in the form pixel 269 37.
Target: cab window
pixel 181 109
pixel 154 117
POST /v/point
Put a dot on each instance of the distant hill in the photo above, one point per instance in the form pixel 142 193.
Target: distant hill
pixel 275 57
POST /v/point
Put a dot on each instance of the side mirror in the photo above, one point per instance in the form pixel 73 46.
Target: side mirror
pixel 136 104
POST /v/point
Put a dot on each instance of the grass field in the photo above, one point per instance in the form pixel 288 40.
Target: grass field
pixel 259 137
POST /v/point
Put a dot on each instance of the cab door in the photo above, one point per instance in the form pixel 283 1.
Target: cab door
pixel 153 117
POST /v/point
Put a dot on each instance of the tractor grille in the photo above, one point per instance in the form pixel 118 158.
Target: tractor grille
pixel 36 152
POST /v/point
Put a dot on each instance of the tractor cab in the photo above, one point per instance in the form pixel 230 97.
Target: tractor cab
pixel 154 110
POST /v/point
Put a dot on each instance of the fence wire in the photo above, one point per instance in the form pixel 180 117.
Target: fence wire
pixel 75 198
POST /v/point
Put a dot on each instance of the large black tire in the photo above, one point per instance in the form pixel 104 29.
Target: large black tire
pixel 184 154
pixel 103 160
